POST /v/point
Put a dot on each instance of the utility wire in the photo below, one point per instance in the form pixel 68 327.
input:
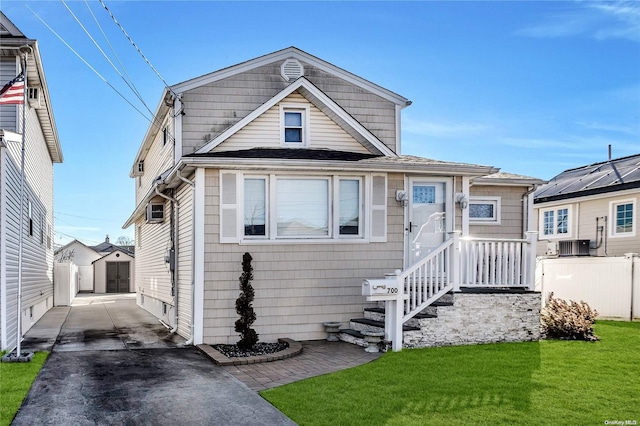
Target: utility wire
pixel 137 48
pixel 95 43
pixel 89 65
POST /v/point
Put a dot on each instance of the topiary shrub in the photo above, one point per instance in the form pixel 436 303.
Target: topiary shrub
pixel 248 336
pixel 568 320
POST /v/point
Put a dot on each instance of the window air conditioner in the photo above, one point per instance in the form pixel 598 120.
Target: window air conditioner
pixel 574 248
pixel 155 213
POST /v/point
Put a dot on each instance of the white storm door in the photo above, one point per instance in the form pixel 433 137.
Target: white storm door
pixel 427 227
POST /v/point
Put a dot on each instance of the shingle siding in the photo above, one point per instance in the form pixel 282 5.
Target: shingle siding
pixel 298 286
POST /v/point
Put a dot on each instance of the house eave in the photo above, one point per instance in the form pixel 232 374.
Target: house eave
pixel 588 193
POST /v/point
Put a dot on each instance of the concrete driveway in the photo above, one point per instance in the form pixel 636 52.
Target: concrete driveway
pixel 114 363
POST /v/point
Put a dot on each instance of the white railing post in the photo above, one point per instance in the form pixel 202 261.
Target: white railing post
pixel 455 261
pixel 530 279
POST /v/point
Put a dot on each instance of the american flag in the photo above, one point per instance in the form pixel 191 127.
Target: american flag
pixel 13 91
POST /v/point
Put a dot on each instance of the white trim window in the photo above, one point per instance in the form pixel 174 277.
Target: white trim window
pixel 485 210
pixel 294 125
pixel 555 222
pixel 622 213
pixel 301 207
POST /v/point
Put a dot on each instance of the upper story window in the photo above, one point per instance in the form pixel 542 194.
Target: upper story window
pixel 555 222
pixel 623 223
pixel 484 210
pixel 294 125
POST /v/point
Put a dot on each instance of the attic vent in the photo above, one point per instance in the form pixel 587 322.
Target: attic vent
pixel 291 69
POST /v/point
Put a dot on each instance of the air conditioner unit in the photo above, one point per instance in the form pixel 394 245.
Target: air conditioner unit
pixel 574 248
pixel 155 213
pixel 33 95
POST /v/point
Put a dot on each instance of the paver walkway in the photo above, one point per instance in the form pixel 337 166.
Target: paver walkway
pixel 318 357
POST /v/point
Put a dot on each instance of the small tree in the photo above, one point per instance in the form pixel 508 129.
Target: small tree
pixel 248 336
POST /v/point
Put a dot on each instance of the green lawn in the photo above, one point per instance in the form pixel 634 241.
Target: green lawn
pixel 15 381
pixel 531 383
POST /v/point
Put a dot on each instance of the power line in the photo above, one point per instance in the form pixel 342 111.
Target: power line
pixel 89 65
pixel 136 47
pixel 105 55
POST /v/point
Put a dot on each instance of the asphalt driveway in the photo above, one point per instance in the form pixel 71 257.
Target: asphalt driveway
pixel 114 364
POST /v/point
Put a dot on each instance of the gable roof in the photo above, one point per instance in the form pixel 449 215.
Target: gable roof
pixel 598 178
pixel 507 179
pixel 321 101
pixel 11 41
pixel 291 53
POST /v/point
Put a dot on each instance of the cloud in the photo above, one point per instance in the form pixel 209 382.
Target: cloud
pixel 599 20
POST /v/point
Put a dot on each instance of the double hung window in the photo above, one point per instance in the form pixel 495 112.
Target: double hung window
pixel 294 125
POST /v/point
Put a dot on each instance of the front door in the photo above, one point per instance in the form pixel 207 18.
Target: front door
pixel 427 218
pixel 117 277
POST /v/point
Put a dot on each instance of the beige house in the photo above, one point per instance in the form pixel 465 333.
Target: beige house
pixel 33 262
pixel 591 210
pixel 297 162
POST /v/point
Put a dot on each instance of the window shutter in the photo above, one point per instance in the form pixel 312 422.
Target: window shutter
pixel 378 208
pixel 229 207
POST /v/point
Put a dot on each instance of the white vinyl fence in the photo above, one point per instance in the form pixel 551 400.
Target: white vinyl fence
pixel 65 283
pixel 611 285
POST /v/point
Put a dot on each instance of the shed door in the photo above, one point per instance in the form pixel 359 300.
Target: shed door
pixel 117 277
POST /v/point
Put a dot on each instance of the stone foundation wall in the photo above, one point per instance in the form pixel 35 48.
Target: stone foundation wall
pixel 480 318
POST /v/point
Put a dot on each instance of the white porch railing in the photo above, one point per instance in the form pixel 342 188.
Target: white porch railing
pixel 469 262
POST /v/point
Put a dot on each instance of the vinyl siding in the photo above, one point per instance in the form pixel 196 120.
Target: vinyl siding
pixel 185 259
pixel 8 113
pixel 159 159
pixel 152 275
pixel 583 223
pixel 265 131
pixel 37 263
pixel 511 206
pixel 298 286
pixel 211 109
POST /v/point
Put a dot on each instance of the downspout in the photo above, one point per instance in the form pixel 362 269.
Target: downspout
pixel 193 248
pixel 174 238
pixel 527 210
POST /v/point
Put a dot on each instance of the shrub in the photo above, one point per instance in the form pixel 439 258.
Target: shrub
pixel 248 336
pixel 568 320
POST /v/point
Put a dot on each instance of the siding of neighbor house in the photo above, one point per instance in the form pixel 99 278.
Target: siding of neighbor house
pixel 8 113
pixel 583 222
pixel 298 286
pixel 511 211
pixel 37 272
pixel 212 108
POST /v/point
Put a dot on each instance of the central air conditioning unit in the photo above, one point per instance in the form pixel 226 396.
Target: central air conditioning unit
pixel 155 213
pixel 574 248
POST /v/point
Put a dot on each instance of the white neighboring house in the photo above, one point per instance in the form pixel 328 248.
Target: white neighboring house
pixel 103 268
pixel 42 150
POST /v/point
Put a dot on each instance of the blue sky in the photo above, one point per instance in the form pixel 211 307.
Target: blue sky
pixel 530 87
